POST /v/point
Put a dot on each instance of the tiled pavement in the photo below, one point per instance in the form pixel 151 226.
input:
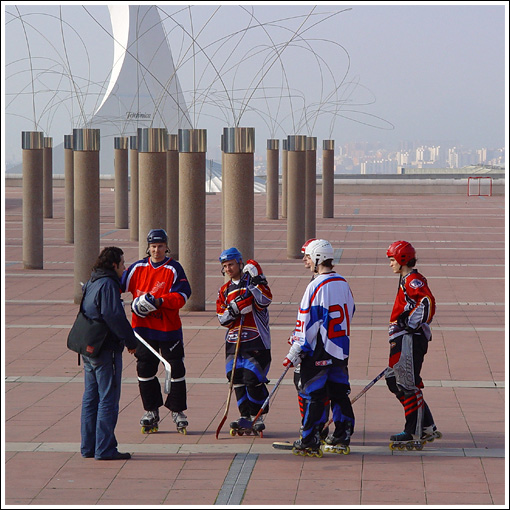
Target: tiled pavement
pixel 461 248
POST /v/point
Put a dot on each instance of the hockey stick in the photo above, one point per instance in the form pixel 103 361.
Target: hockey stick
pixel 231 385
pixel 361 393
pixel 168 368
pixel 266 402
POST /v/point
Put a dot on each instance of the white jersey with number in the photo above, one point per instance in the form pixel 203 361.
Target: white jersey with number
pixel 325 313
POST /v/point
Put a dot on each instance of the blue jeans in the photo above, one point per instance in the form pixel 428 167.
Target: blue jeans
pixel 100 404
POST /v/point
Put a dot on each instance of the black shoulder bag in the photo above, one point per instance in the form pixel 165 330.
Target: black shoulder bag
pixel 87 335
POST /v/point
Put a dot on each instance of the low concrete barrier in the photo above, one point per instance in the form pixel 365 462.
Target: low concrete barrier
pixel 366 185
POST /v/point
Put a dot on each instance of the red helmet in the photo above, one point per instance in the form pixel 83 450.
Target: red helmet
pixel 401 251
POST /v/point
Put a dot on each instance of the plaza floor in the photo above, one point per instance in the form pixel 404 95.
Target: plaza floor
pixel 460 243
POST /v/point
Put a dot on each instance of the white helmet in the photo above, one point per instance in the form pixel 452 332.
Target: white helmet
pixel 319 251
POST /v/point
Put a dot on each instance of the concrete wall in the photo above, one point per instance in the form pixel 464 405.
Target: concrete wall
pixel 367 185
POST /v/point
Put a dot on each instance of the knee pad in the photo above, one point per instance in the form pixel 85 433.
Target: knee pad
pixel 147 369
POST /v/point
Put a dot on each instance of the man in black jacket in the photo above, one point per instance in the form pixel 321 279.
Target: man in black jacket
pixel 100 405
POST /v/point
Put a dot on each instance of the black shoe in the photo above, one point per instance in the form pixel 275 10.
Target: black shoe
pixel 402 436
pixel 332 440
pixel 117 456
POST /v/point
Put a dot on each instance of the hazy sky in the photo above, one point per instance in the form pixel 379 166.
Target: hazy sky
pixel 413 72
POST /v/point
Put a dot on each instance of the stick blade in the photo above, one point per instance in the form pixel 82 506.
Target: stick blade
pixel 168 384
pixel 220 425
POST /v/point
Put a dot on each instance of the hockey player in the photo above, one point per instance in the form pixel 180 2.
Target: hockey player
pixel 242 305
pixel 409 335
pixel 160 289
pixel 321 343
pixel 297 370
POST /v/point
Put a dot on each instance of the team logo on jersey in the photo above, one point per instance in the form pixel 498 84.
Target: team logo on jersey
pixel 323 363
pixel 416 284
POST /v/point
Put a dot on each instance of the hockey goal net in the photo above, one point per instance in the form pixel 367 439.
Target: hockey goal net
pixel 479 186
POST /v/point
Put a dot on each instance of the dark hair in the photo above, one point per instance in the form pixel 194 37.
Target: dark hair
pixel 411 263
pixel 328 263
pixel 108 256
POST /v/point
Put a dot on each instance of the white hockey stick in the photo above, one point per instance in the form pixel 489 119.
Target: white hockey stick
pixel 168 368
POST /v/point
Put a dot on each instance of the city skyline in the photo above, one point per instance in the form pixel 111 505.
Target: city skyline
pixel 446 81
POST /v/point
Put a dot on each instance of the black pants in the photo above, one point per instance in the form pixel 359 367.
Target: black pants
pixel 147 367
pixel 250 380
pixel 407 353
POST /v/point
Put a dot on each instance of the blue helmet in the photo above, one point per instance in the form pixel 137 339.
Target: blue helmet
pixel 157 235
pixel 231 254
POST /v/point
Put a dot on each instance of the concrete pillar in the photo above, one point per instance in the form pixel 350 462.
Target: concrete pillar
pixel 133 187
pixel 328 178
pixel 311 187
pixel 69 188
pixel 296 195
pixel 239 217
pixel 48 177
pixel 272 180
pixel 86 143
pixel 152 146
pixel 172 195
pixel 223 193
pixel 120 163
pixel 284 177
pixel 32 144
pixel 192 149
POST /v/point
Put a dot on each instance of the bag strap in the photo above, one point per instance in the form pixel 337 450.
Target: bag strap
pixel 81 311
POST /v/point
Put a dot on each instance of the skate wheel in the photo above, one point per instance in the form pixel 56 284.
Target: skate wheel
pixel 319 453
pixel 248 432
pixel 419 447
pixel 182 431
pixel 401 446
pixel 296 452
pixel 392 446
pixel 409 447
pixel 240 432
pixel 439 435
pixel 232 432
pixel 347 450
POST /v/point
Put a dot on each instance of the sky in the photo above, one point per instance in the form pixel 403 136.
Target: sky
pixel 376 72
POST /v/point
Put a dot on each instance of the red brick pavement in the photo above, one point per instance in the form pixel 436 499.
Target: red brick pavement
pixel 461 248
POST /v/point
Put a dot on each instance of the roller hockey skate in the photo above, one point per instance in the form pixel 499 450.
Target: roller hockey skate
pixel 430 433
pixel 244 425
pixel 337 445
pixel 180 419
pixel 310 448
pixel 406 441
pixel 149 422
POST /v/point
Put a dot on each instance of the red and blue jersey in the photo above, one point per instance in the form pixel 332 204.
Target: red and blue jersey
pixel 167 281
pixel 255 299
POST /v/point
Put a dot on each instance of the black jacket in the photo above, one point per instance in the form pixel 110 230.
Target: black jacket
pixel 102 301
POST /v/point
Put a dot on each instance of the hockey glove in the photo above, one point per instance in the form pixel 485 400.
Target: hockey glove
pixel 293 358
pixel 253 268
pixel 143 305
pixel 403 322
pixel 292 339
pixel 241 305
pixel 255 271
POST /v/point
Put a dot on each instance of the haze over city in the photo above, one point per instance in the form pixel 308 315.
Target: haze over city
pixel 432 74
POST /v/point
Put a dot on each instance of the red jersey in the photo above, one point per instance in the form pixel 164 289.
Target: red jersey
pixel 255 331
pixel 167 281
pixel 415 297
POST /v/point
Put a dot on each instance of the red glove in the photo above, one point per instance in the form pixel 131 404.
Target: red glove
pixel 241 305
pixel 253 268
